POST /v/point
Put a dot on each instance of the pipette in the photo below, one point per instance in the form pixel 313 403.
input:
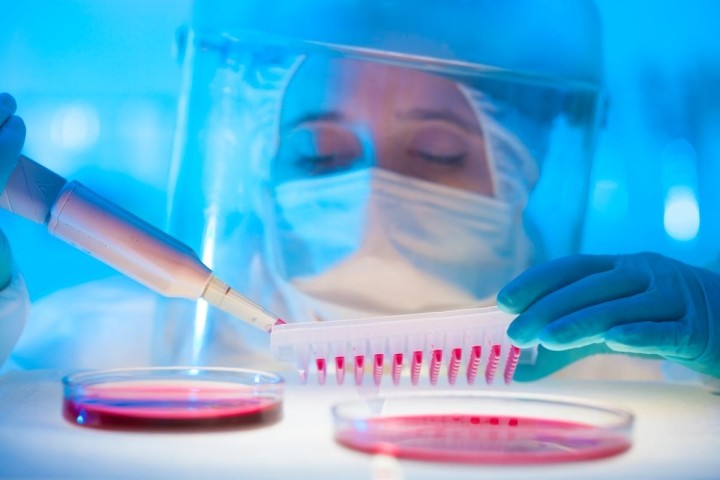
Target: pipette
pixel 122 240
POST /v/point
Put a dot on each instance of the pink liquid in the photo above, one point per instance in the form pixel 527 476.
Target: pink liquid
pixel 482 439
pixel 511 365
pixel 435 362
pixel 378 368
pixel 170 407
pixel 340 369
pixel 415 367
pixel 492 364
pixel 474 363
pixel 397 367
pixel 321 370
pixel 454 365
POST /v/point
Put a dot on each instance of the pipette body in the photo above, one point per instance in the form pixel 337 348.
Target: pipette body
pixel 91 223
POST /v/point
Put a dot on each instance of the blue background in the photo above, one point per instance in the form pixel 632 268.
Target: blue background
pixel 97 83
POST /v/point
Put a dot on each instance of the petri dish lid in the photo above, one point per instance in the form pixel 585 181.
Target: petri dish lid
pixel 172 397
pixel 483 427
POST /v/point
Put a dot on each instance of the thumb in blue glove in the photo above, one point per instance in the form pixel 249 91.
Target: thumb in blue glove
pixel 12 136
pixel 643 304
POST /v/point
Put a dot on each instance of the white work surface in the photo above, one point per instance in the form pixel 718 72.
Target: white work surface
pixel 676 436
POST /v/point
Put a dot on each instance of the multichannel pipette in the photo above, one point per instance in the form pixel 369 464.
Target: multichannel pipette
pixel 122 240
pixel 462 344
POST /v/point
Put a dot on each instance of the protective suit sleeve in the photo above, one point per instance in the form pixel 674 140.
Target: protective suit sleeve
pixel 107 323
pixel 13 294
pixel 644 304
pixel 14 308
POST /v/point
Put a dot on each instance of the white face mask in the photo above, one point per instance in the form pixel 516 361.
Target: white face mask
pixel 373 242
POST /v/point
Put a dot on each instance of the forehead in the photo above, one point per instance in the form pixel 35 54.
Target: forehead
pixel 354 87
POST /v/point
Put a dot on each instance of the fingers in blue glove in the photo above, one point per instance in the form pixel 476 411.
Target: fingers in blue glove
pixel 12 137
pixel 578 313
pixel 643 304
pixel 5 261
pixel 7 108
pixel 545 278
pixel 594 324
pixel 661 338
pixel 549 362
pixel 582 312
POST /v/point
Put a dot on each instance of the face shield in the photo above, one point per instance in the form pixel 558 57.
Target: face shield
pixel 345 159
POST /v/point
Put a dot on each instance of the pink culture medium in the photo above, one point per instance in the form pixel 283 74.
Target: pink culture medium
pixel 484 428
pixel 173 397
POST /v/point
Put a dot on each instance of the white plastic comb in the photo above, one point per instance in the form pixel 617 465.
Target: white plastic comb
pixel 465 344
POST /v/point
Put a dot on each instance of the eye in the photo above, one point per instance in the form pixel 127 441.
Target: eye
pixel 439 145
pixel 322 149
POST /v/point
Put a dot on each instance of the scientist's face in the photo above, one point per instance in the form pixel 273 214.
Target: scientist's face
pixel 341 115
pixel 381 197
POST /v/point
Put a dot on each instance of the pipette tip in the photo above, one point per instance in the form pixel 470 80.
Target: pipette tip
pixel 220 295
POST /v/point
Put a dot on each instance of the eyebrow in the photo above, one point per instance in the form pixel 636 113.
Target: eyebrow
pixel 442 115
pixel 330 116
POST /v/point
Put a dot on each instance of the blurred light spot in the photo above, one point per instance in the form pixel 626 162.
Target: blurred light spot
pixel 386 467
pixel 75 127
pixel 141 130
pixel 200 331
pixel 603 194
pixel 682 215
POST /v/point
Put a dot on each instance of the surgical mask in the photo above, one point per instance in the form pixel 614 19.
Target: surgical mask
pixel 372 242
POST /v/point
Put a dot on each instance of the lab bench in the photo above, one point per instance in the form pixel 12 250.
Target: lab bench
pixel 676 435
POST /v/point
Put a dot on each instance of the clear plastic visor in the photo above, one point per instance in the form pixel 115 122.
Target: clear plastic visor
pixel 361 182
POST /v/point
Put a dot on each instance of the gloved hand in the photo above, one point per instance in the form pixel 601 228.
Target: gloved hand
pixel 12 136
pixel 639 304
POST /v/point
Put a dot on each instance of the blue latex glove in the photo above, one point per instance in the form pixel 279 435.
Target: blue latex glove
pixel 12 137
pixel 639 304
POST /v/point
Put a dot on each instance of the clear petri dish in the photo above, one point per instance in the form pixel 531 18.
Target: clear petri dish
pixel 484 427
pixel 172 397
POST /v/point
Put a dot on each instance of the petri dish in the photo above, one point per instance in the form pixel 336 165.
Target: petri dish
pixel 172 397
pixel 484 427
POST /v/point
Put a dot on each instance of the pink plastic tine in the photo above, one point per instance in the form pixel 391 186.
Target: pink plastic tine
pixel 416 366
pixel 492 364
pixel 435 362
pixel 302 373
pixel 397 367
pixel 511 364
pixel 454 364
pixel 473 363
pixel 378 368
pixel 340 369
pixel 359 369
pixel 321 370
pixel 301 361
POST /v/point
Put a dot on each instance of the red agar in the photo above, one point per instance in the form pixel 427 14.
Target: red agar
pixel 482 439
pixel 170 407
